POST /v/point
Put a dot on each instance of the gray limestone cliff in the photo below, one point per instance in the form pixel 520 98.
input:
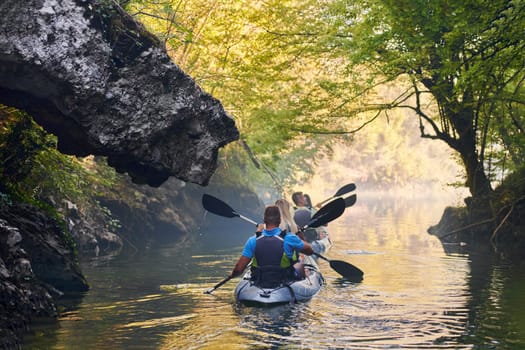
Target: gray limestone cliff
pixel 90 74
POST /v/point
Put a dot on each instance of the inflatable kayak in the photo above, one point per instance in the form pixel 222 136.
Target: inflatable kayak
pixel 287 292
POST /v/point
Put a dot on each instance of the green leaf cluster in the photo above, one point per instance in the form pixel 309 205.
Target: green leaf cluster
pixel 461 64
pixel 265 74
pixel 32 170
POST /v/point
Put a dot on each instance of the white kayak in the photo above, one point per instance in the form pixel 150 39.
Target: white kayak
pixel 287 292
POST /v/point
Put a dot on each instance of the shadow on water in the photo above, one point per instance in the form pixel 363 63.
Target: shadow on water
pixel 275 322
pixel 222 232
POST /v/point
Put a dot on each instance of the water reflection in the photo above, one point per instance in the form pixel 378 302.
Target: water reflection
pixel 496 312
pixel 413 295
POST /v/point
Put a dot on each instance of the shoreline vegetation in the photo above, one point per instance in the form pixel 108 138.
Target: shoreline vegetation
pixel 55 209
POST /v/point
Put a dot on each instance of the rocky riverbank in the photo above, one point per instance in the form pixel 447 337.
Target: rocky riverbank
pixel 37 265
pixel 491 225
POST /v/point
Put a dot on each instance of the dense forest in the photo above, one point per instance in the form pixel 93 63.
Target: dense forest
pixel 299 67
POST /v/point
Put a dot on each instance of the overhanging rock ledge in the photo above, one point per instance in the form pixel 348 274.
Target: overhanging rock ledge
pixel 90 74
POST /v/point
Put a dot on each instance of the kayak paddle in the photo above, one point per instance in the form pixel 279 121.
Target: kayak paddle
pixel 347 270
pixel 216 206
pixel 343 190
pixel 328 213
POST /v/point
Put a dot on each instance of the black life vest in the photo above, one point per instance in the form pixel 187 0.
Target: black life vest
pixel 270 265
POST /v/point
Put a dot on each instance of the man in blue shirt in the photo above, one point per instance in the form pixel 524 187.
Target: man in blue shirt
pixel 269 249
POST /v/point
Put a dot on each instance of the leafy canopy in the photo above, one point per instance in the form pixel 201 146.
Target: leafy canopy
pixel 286 69
pixel 461 63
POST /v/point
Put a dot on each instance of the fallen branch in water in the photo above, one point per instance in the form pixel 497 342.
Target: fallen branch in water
pixel 464 228
pixel 487 221
pixel 501 224
pixel 512 206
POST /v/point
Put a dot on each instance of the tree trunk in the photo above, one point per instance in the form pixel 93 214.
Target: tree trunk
pixel 464 143
pixel 477 181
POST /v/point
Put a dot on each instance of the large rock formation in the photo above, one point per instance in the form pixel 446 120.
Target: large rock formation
pixel 90 74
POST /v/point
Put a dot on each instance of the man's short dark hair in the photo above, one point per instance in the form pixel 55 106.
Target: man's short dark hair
pixel 272 215
pixel 296 196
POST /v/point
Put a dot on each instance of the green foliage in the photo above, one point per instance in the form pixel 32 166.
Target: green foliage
pixel 34 171
pixel 267 73
pixel 270 130
pixel 465 57
pixel 290 69
pixel 20 144
pixel 113 224
pixel 512 189
pixel 23 156
pixel 29 157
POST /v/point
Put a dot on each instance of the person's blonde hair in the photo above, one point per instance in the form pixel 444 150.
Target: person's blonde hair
pixel 287 223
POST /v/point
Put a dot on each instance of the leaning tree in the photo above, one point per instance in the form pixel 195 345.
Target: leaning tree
pixel 461 62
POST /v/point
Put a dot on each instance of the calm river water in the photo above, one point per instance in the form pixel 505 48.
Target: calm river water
pixel 413 296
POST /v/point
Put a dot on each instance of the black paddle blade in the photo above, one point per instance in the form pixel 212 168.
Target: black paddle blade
pixel 217 207
pixel 345 189
pixel 347 270
pixel 329 212
pixel 350 200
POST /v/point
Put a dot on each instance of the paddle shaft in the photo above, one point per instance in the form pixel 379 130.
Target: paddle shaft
pixel 329 212
pixel 326 214
pixel 322 257
pixel 248 219
pixel 209 291
pixel 218 207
